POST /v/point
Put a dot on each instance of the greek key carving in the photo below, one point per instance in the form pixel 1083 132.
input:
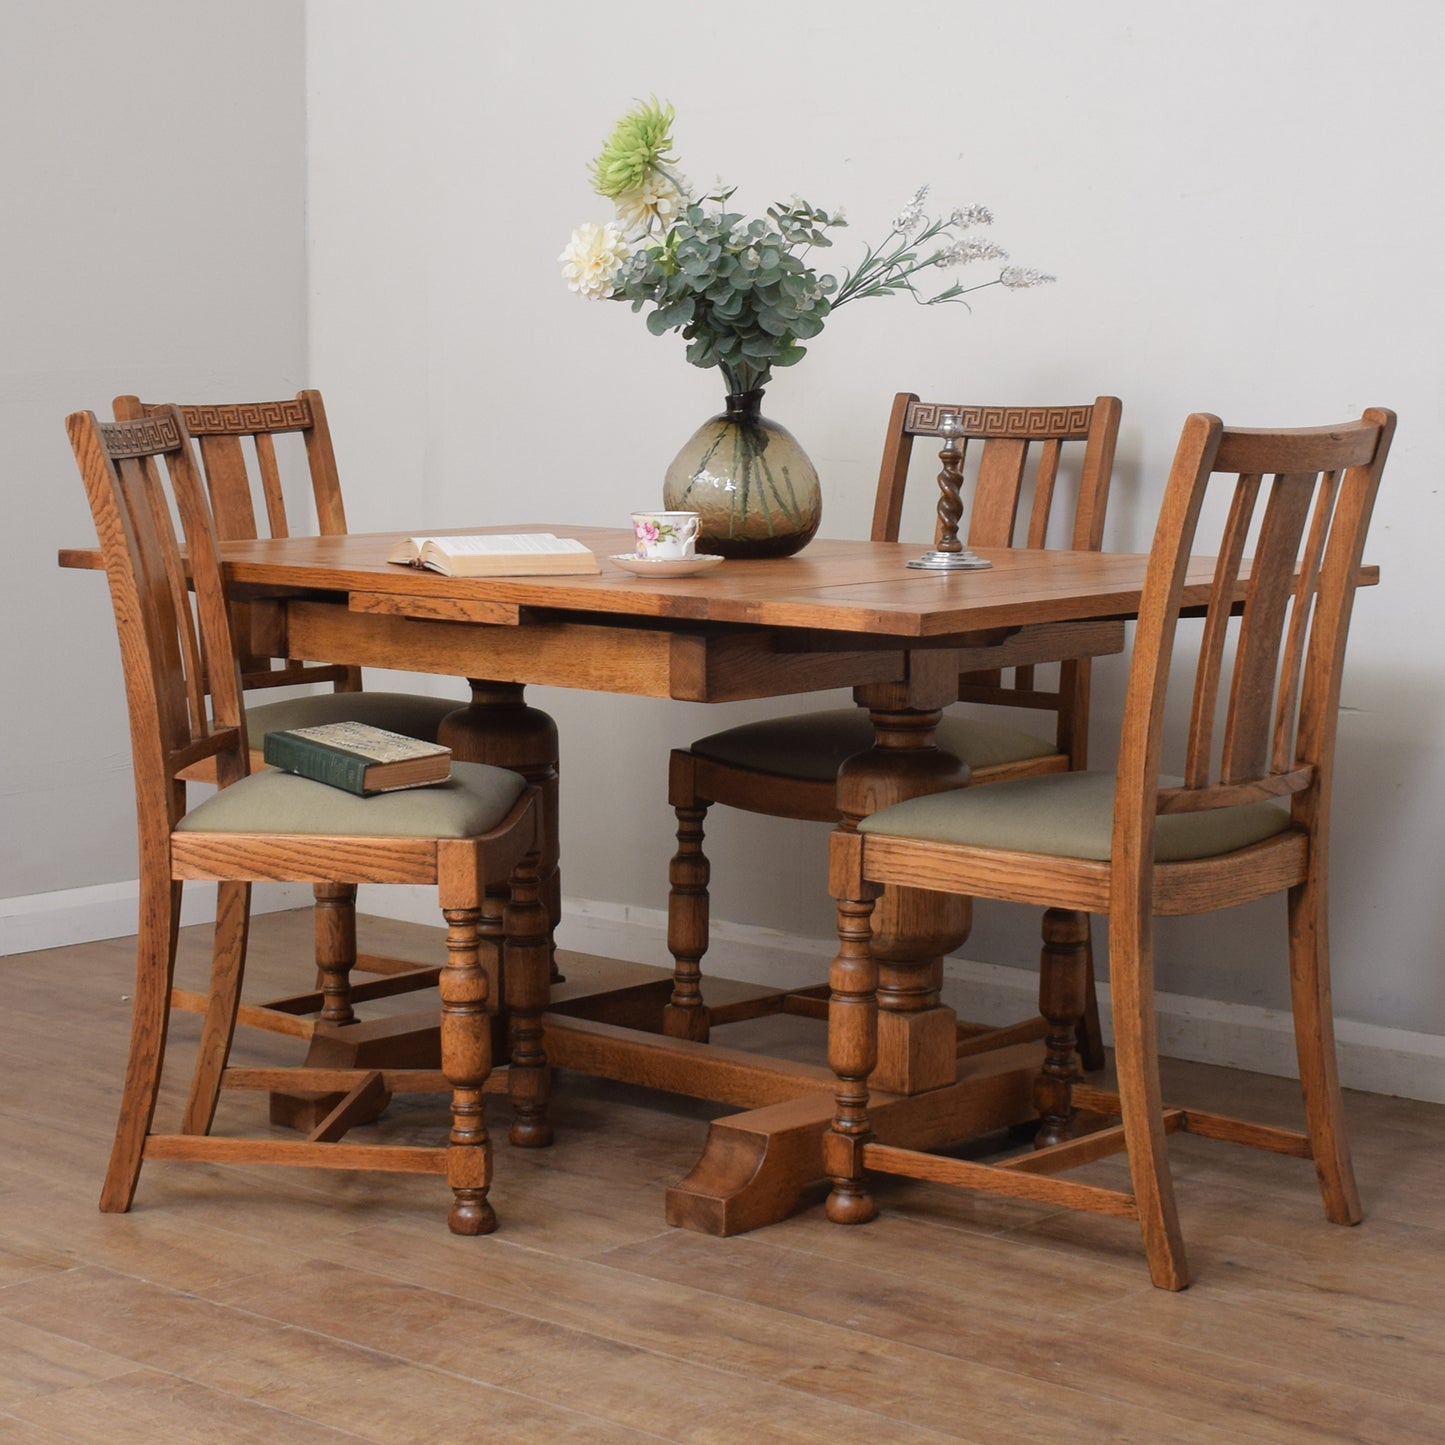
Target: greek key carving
pixel 1064 422
pixel 141 438
pixel 244 418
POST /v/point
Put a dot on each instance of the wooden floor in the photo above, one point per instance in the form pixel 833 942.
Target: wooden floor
pixel 239 1305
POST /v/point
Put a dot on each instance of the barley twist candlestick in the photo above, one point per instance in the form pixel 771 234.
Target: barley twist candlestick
pixel 950 555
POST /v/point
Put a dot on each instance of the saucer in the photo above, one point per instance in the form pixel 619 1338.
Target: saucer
pixel 665 566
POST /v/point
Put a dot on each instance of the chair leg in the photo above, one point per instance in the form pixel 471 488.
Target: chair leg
pixel 160 914
pixel 852 1054
pixel 1063 980
pixel 686 1015
pixel 1136 1057
pixel 525 984
pixel 1314 1032
pixel 335 916
pixel 466 1047
pixel 1090 1032
pixel 228 966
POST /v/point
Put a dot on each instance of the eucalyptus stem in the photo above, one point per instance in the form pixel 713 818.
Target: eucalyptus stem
pixel 790 506
pixel 746 293
pixel 674 181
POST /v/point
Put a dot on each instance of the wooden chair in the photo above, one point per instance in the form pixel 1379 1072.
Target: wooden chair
pixel 787 767
pixel 1248 818
pixel 477 837
pixel 246 479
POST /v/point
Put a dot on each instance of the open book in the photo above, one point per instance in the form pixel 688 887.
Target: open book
pixel 516 554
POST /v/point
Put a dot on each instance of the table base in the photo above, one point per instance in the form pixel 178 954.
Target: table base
pixel 606 1020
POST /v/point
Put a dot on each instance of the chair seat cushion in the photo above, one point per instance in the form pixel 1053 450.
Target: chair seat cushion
pixel 1070 815
pixel 815 745
pixel 410 714
pixel 472 801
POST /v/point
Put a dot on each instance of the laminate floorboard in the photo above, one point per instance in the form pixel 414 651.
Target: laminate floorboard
pixel 246 1304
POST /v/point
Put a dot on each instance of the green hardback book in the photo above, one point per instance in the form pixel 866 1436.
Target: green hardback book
pixel 358 757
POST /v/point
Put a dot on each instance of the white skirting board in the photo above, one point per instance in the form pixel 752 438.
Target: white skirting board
pixel 109 910
pixel 1244 1036
pixel 1378 1060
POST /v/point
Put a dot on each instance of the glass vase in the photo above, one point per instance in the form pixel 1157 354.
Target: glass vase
pixel 752 485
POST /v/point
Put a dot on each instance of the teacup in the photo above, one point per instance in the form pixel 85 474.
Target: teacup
pixel 665 534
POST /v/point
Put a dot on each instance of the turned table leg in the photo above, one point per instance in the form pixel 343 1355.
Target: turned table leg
pixel 499 728
pixel 912 929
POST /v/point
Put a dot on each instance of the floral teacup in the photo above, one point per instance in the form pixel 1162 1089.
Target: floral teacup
pixel 665 534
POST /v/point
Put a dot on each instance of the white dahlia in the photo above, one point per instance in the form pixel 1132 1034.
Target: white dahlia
pixel 592 259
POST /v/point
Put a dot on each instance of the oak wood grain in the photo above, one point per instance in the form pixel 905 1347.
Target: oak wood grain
pixel 833 586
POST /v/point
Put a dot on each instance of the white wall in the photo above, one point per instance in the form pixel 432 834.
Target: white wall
pixel 152 241
pixel 1241 202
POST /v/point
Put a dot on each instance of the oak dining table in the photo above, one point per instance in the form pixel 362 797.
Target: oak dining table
pixel 840 614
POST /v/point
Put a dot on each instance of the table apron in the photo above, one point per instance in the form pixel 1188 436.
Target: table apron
pixel 701 666
pixel 640 662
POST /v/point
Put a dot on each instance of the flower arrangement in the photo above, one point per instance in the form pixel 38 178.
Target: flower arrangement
pixel 743 292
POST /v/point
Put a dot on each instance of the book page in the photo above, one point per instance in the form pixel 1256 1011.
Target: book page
pixel 503 554
pixel 502 544
pixel 373 743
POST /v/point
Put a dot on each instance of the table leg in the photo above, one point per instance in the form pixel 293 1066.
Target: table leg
pixel 499 728
pixel 754 1165
pixel 912 929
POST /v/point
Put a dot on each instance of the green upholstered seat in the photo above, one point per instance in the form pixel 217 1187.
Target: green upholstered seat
pixel 411 715
pixel 473 801
pixel 815 745
pixel 1070 815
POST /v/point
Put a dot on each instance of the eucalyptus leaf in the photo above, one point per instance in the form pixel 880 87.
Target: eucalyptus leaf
pixel 741 289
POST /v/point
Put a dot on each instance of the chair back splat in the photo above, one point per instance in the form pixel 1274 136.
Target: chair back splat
pixel 1018 453
pixel 1304 497
pixel 175 638
pixel 1005 437
pixel 237 443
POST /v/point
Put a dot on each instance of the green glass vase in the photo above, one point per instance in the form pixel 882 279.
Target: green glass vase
pixel 752 485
